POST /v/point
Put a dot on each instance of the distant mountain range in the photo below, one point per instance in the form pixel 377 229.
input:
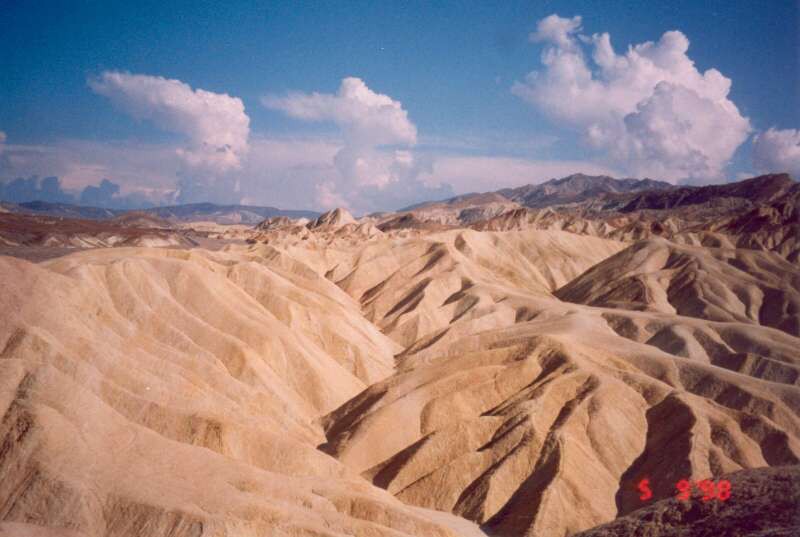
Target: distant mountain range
pixel 573 189
pixel 577 188
pixel 221 214
pixel 762 189
pixel 604 194
pixel 226 214
pixel 578 192
pixel 63 210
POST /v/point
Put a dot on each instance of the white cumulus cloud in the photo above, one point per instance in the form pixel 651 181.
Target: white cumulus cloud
pixel 368 122
pixel 215 124
pixel 365 117
pixel 2 141
pixel 557 30
pixel 650 110
pixel 777 151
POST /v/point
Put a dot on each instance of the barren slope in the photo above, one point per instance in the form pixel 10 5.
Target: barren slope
pixel 715 284
pixel 524 380
pixel 539 416
pixel 155 392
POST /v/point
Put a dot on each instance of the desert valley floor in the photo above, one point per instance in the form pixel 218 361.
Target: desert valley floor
pixel 477 367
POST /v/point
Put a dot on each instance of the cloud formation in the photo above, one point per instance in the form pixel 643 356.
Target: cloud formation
pixel 294 173
pixel 277 171
pixel 215 124
pixel 145 171
pixel 777 151
pixel 368 122
pixel 365 117
pixel 34 188
pixel 649 110
pixel 50 189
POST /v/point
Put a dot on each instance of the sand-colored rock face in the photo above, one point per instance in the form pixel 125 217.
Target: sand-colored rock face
pixel 333 219
pixel 336 379
pixel 715 284
pixel 51 232
pixel 157 392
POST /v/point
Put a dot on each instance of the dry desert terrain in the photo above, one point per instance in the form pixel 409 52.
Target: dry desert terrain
pixel 487 366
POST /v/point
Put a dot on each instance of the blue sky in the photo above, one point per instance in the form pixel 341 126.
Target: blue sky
pixel 450 66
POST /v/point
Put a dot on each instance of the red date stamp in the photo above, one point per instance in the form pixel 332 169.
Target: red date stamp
pixel 710 490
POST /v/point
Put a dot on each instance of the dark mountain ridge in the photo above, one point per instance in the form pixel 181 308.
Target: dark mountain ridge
pixel 761 189
pixel 576 188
